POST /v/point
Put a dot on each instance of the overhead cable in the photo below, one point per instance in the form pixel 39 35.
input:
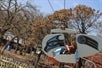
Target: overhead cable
pixel 51 5
pixel 64 4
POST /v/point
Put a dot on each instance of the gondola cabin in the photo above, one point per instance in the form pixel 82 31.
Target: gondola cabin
pixel 88 45
pixel 53 45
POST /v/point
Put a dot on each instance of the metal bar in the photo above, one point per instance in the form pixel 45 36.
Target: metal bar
pixel 89 61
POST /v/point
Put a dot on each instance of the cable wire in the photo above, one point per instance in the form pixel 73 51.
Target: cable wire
pixel 64 4
pixel 51 5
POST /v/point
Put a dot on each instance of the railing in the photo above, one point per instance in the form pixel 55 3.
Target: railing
pixel 87 63
pixel 6 62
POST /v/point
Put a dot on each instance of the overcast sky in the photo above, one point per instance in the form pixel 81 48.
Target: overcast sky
pixel 43 5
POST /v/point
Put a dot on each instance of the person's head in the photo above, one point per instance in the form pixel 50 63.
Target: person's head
pixel 73 43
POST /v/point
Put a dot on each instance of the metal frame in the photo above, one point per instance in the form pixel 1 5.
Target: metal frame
pixel 89 61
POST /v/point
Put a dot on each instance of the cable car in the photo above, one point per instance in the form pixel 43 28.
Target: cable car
pixel 54 44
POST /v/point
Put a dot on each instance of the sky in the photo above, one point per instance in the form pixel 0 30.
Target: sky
pixel 44 6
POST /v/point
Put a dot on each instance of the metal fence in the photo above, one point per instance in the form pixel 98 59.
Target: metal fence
pixel 6 62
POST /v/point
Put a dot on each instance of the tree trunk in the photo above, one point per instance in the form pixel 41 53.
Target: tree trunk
pixel 83 28
pixel 37 60
pixel 17 46
pixel 79 63
pixel 61 65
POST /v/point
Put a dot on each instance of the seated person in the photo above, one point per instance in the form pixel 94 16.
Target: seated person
pixel 71 48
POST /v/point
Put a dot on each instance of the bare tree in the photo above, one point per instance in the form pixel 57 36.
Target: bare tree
pixel 99 27
pixel 9 9
pixel 18 20
pixel 85 18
